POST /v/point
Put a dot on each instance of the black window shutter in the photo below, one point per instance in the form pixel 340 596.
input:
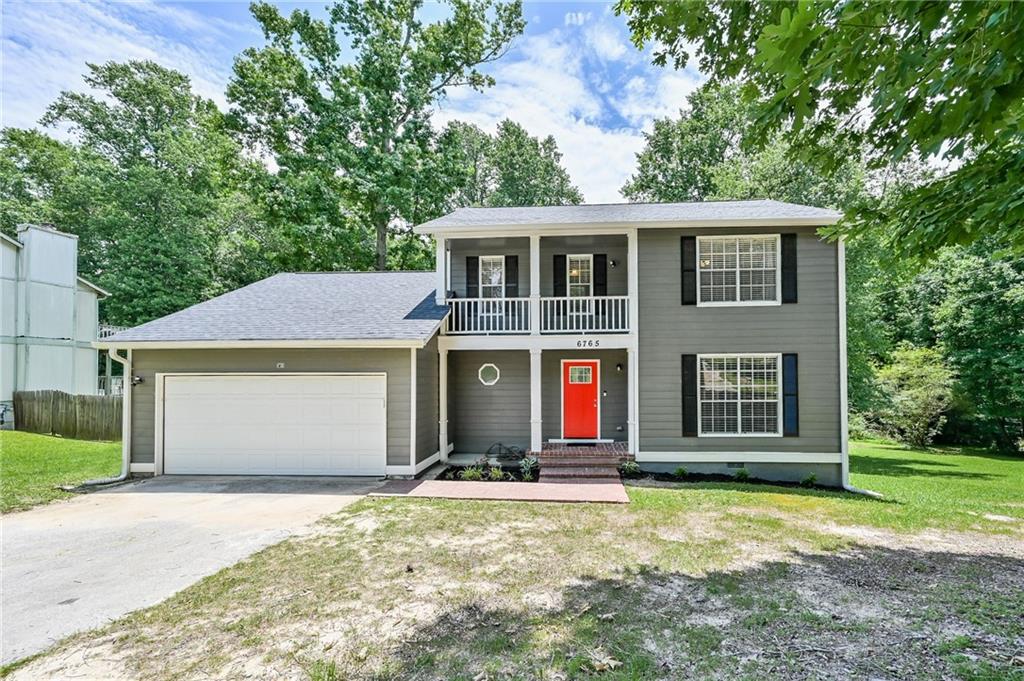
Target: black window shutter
pixel 689 270
pixel 511 276
pixel 689 395
pixel 600 274
pixel 790 398
pixel 558 274
pixel 788 268
pixel 472 276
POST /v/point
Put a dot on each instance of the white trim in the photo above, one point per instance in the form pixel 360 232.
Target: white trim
pixel 158 409
pixel 244 344
pixel 412 409
pixel 441 266
pixel 551 341
pixel 844 414
pixel 739 457
pixel 480 374
pixel 739 416
pixel 738 302
pixel 563 229
pixel 414 470
pixel 561 381
pixel 88 284
pixel 142 468
pixel 534 284
pixel 11 240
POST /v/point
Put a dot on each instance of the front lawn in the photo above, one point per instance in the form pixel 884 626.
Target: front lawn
pixel 32 467
pixel 688 581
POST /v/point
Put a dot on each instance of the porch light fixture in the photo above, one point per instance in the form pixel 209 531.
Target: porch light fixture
pixel 488 374
pixel 618 368
pixel 611 263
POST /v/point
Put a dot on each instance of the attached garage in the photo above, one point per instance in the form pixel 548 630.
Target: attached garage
pixel 272 424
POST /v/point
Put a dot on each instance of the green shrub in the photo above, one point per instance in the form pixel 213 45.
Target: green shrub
pixel 527 467
pixel 810 480
pixel 742 474
pixel 629 468
pixel 472 473
pixel 495 474
pixel 917 388
pixel 680 472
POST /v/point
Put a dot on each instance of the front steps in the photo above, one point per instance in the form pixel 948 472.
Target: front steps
pixel 568 463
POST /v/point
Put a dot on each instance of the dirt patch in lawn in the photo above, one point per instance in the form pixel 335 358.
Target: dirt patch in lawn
pixel 421 589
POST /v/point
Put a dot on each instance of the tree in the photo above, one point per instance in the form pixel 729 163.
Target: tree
pixel 344 103
pixel 904 80
pixel 153 185
pixel 677 161
pixel 510 169
pixel 918 389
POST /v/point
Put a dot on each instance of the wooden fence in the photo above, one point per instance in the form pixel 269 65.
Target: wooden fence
pixel 54 412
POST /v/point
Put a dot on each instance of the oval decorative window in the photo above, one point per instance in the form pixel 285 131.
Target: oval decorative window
pixel 489 374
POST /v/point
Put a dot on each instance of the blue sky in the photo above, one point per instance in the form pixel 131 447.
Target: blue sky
pixel 573 74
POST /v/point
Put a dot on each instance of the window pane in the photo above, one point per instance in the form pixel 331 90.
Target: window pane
pixel 580 375
pixel 739 395
pixel 737 269
pixel 492 276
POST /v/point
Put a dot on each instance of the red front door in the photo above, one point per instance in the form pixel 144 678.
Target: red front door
pixel 579 399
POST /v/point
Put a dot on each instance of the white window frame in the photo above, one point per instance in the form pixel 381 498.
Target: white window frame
pixel 738 302
pixel 739 415
pixel 480 275
pixel 589 257
pixel 480 373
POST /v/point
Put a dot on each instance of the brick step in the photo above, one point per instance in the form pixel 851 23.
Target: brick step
pixel 576 472
pixel 546 462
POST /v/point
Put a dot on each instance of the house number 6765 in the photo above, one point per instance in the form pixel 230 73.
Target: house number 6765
pixel 588 343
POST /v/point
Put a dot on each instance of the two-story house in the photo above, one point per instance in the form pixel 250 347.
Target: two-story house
pixel 706 335
pixel 49 317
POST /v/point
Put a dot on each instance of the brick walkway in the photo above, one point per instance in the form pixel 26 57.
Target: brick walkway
pixel 584 491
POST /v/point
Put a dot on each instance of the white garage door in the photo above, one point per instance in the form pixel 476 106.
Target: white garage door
pixel 275 424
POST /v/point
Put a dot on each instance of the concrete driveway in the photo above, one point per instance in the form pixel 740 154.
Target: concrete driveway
pixel 76 565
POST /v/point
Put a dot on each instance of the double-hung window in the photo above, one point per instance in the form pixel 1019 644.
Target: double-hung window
pixel 739 395
pixel 580 274
pixel 738 270
pixel 492 276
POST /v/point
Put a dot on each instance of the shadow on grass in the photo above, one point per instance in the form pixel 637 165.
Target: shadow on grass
pixel 759 487
pixel 868 611
pixel 914 468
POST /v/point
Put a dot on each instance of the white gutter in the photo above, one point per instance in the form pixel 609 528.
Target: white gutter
pixel 247 344
pixel 126 421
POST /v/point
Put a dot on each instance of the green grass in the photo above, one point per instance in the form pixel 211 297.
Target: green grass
pixel 32 467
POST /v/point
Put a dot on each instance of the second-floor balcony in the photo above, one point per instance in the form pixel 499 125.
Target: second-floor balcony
pixel 573 315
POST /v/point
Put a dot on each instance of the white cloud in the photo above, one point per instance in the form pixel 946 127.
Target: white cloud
pixel 577 18
pixel 46 47
pixel 659 94
pixel 607 42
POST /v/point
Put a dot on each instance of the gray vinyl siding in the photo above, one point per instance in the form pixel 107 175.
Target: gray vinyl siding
pixel 668 329
pixel 614 246
pixel 426 400
pixel 395 362
pixel 481 415
pixel 460 248
pixel 614 405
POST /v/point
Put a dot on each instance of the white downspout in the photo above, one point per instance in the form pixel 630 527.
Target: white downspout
pixel 126 419
pixel 844 407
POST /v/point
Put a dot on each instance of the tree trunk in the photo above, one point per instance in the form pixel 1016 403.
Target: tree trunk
pixel 382 243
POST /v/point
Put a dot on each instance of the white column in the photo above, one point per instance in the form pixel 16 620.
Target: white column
pixel 536 432
pixel 633 280
pixel 535 284
pixel 441 288
pixel 442 407
pixel 412 411
pixel 632 401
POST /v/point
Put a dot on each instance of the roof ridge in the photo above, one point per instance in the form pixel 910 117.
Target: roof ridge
pixel 633 203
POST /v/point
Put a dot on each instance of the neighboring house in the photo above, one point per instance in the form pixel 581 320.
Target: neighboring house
pixel 49 316
pixel 708 335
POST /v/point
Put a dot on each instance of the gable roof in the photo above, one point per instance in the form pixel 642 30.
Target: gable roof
pixel 11 240
pixel 82 281
pixel 375 307
pixel 694 214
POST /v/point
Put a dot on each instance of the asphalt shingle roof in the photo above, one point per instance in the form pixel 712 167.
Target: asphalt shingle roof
pixel 725 212
pixel 313 306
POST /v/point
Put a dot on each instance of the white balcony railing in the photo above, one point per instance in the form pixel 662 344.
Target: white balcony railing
pixel 482 316
pixel 108 330
pixel 591 314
